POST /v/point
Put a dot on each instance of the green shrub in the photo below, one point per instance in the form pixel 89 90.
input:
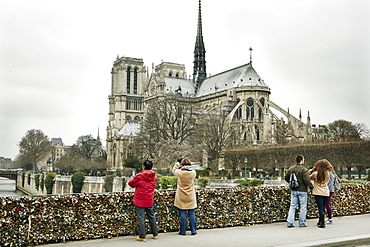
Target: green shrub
pixel 37 181
pixel 49 182
pixel 347 181
pixel 159 177
pixel 165 182
pixel 203 182
pixel 42 182
pixel 250 182
pixel 23 178
pixel 29 178
pixel 173 182
pixel 78 181
pixel 202 173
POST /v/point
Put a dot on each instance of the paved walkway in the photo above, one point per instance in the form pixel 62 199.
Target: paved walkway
pixel 345 231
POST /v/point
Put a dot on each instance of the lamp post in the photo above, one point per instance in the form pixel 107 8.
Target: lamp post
pixel 245 167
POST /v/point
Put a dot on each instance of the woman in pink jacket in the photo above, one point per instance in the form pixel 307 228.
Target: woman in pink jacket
pixel 185 198
pixel 144 183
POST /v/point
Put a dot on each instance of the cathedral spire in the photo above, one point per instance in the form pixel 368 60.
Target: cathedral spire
pixel 199 72
pixel 250 55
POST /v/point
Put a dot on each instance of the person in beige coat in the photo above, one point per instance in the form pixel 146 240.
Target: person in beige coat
pixel 185 198
pixel 320 174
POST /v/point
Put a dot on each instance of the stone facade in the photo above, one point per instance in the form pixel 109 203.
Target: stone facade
pixel 240 92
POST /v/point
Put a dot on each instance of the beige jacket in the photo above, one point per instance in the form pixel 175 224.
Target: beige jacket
pixel 185 197
pixel 320 189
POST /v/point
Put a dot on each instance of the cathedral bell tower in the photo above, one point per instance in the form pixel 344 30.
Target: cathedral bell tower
pixel 199 72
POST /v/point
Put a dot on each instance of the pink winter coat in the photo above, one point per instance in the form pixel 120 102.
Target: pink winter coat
pixel 144 183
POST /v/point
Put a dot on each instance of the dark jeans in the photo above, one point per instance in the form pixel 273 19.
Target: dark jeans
pixel 192 222
pixel 140 216
pixel 321 203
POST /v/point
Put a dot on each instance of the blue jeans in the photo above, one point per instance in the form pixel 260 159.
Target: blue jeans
pixel 295 197
pixel 140 216
pixel 192 222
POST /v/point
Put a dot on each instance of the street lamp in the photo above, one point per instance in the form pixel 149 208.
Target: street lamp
pixel 245 167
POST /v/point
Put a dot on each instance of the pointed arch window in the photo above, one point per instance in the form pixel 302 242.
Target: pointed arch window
pixel 128 79
pixel 135 81
pixel 239 113
pixel 257 133
pixel 260 110
pixel 260 114
pixel 250 109
pixel 262 101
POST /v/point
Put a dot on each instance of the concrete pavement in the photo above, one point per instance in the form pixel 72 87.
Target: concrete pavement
pixel 345 231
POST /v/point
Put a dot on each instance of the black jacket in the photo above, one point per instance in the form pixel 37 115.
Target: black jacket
pixel 302 175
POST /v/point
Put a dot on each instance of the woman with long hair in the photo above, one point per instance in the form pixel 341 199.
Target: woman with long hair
pixel 320 174
pixel 185 197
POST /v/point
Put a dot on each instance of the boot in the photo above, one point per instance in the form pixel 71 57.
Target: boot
pixel 321 222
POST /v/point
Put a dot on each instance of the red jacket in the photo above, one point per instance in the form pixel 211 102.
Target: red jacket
pixel 144 183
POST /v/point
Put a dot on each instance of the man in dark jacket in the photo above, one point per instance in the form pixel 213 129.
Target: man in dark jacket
pixel 298 195
pixel 144 183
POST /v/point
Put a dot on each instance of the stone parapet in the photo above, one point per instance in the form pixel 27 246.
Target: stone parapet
pixel 88 216
pixel 63 185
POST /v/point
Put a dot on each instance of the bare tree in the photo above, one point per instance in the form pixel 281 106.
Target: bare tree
pixel 362 131
pixel 342 130
pixel 170 151
pixel 170 118
pixel 87 146
pixel 34 146
pixel 70 162
pixel 215 131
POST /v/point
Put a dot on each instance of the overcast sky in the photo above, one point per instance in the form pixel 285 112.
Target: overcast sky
pixel 56 56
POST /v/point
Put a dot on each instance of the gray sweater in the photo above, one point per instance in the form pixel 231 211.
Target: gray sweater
pixel 302 175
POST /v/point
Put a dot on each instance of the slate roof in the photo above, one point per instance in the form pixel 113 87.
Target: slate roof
pixel 130 128
pixel 56 141
pixel 242 76
pixel 173 84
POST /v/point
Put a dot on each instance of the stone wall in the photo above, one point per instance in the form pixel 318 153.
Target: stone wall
pixel 88 216
pixel 63 185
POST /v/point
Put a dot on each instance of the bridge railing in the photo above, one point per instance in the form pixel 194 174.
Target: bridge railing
pixel 52 219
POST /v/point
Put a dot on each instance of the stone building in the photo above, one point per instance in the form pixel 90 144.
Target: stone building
pixel 239 91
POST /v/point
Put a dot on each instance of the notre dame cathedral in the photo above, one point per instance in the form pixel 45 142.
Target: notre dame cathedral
pixel 240 91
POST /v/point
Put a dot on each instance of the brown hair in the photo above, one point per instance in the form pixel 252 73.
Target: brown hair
pixel 322 167
pixel 185 162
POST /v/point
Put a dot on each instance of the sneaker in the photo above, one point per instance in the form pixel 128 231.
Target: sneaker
pixel 156 237
pixel 141 239
pixel 290 226
pixel 328 221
